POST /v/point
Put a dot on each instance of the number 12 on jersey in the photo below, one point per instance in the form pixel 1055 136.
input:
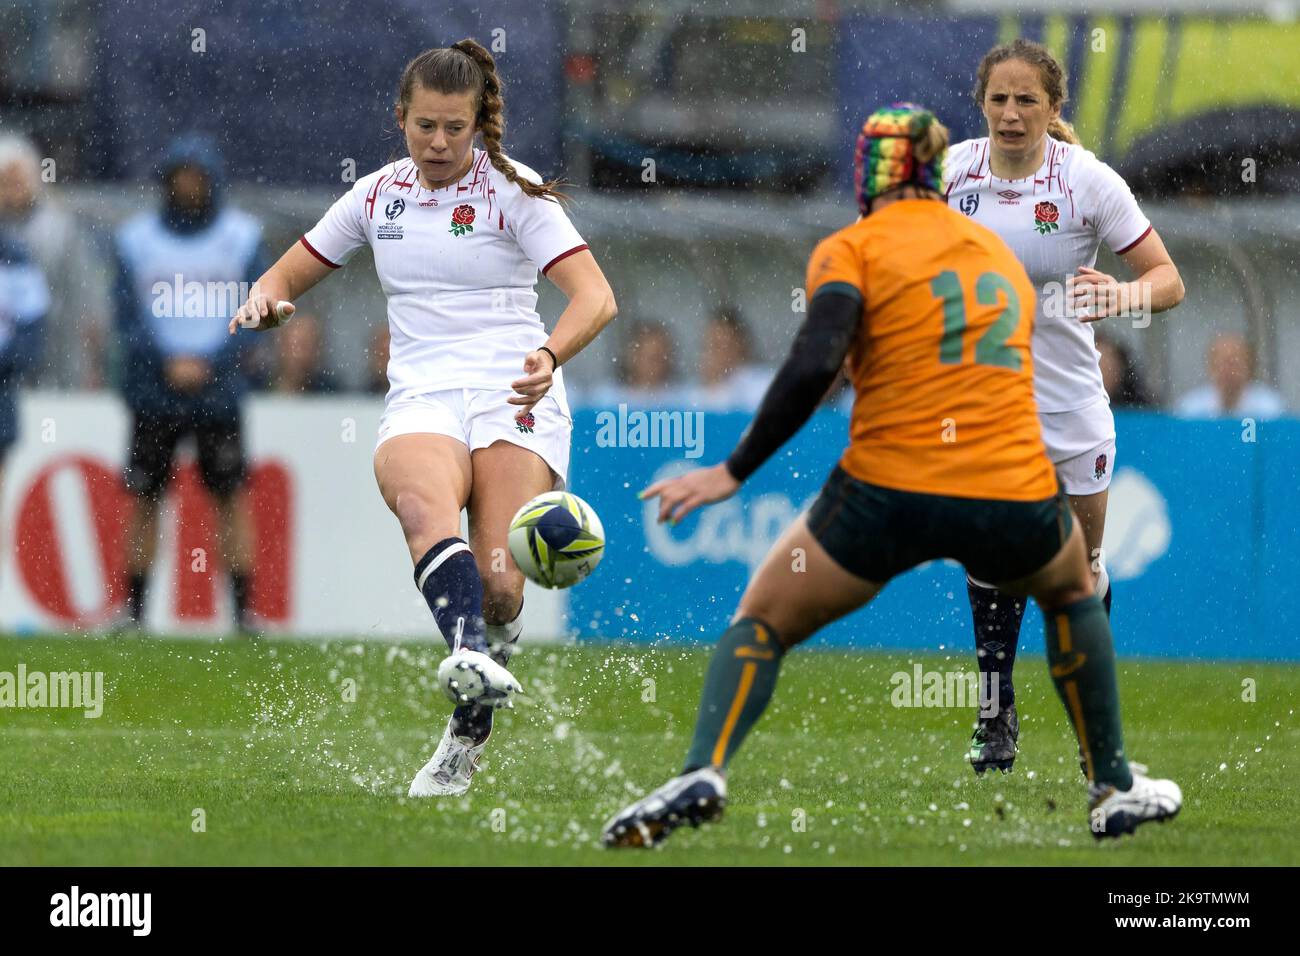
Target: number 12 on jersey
pixel 992 348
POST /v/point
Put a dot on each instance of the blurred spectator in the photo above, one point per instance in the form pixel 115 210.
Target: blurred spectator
pixel 298 367
pixel 376 382
pixel 1120 375
pixel 183 271
pixel 77 324
pixel 729 381
pixel 1232 389
pixel 24 302
pixel 645 373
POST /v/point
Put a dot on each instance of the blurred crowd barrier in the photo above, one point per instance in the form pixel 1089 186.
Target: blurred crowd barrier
pixel 329 559
pixel 1199 537
pixel 1199 544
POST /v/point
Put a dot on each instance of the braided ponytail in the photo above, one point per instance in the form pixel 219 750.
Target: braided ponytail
pixel 491 122
pixel 1062 131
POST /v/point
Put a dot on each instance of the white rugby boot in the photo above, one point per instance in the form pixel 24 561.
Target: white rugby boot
pixel 448 772
pixel 472 677
pixel 1112 812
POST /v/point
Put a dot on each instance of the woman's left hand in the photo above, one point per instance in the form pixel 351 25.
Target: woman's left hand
pixel 681 495
pixel 538 377
pixel 1094 295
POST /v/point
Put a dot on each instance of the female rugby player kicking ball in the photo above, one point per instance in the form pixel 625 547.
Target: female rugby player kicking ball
pixel 476 415
pixel 935 314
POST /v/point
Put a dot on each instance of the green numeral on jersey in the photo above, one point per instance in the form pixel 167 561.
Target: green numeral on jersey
pixel 947 286
pixel 991 349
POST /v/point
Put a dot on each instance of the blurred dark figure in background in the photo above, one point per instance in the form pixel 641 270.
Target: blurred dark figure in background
pixel 298 359
pixel 1120 375
pixel 77 322
pixel 178 284
pixel 376 382
pixel 729 380
pixel 645 373
pixel 1232 389
pixel 24 303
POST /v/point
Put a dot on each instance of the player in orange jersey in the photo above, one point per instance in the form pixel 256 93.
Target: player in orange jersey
pixel 945 460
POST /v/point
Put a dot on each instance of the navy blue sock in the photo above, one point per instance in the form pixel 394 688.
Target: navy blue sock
pixel 997 631
pixel 448 578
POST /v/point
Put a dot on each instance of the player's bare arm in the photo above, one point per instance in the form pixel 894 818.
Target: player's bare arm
pixel 1157 288
pixel 591 307
pixel 270 301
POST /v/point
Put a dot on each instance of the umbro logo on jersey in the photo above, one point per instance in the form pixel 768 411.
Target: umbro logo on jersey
pixel 1009 194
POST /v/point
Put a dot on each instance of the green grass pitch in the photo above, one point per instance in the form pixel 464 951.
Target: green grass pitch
pixel 263 739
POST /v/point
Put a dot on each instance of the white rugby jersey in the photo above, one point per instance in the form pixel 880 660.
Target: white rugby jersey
pixel 1054 222
pixel 459 268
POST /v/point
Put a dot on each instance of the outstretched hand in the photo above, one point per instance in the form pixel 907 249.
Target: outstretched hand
pixel 681 495
pixel 260 313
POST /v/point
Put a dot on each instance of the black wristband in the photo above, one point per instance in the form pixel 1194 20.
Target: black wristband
pixel 554 358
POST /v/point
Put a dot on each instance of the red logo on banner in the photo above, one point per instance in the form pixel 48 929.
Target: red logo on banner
pixel 44 567
pixel 41 563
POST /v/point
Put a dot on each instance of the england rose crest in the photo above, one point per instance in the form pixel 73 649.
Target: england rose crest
pixel 526 423
pixel 1045 216
pixel 462 220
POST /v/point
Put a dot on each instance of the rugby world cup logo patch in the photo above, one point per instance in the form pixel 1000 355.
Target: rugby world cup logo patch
pixel 390 229
pixel 1045 216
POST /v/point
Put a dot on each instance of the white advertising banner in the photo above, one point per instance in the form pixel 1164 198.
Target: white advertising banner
pixel 329 556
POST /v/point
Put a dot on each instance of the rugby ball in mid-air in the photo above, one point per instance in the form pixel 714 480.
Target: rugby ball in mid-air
pixel 556 539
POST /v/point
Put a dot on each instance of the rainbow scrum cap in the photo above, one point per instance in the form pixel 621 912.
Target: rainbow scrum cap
pixel 884 159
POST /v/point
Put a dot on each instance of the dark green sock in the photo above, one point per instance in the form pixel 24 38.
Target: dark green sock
pixel 740 681
pixel 1082 661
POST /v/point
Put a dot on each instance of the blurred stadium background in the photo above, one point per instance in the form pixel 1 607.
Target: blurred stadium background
pixel 709 147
